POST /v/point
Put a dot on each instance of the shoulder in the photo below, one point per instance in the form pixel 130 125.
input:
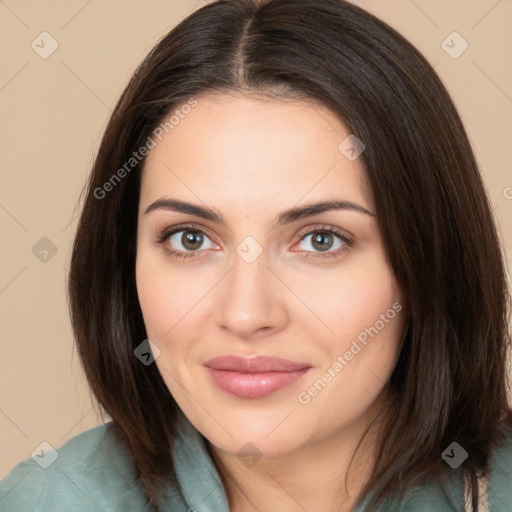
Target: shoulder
pixel 500 477
pixel 91 470
pixel 450 495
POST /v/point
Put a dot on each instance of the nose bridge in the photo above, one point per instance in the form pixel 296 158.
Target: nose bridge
pixel 248 302
pixel 248 278
pixel 249 267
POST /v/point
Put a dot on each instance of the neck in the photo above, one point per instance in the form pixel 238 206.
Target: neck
pixel 328 474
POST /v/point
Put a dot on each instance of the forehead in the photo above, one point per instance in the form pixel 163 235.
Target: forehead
pixel 258 151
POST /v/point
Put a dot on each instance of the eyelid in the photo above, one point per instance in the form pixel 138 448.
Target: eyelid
pixel 343 234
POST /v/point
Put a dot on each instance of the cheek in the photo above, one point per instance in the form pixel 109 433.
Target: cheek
pixel 174 303
pixel 357 363
pixel 363 308
pixel 162 298
pixel 351 298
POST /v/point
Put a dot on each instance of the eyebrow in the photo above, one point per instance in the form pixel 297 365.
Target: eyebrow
pixel 285 217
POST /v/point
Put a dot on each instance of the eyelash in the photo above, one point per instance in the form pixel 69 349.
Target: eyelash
pixel 181 255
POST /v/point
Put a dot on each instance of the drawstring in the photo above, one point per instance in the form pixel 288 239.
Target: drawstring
pixel 483 500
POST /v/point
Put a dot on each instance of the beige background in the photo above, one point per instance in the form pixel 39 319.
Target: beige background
pixel 53 112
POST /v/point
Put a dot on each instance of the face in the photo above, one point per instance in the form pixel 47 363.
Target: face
pixel 276 325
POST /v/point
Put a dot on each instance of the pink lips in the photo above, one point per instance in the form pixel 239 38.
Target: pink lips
pixel 254 377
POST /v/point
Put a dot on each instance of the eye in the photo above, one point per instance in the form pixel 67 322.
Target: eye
pixel 184 241
pixel 324 242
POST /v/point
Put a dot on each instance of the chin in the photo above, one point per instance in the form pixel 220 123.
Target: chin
pixel 262 433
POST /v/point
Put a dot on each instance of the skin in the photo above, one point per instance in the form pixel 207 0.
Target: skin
pixel 250 158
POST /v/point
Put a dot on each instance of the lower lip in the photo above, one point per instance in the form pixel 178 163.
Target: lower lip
pixel 254 385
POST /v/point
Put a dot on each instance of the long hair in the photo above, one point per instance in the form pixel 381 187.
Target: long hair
pixel 450 382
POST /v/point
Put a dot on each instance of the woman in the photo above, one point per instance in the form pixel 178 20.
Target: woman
pixel 286 286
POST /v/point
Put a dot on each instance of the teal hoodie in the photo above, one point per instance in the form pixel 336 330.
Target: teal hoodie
pixel 94 471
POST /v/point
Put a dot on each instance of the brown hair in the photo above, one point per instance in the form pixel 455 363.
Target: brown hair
pixel 434 216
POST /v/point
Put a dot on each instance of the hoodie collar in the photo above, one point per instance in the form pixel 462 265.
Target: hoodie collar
pixel 197 476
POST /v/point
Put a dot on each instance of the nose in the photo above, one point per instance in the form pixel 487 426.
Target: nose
pixel 251 301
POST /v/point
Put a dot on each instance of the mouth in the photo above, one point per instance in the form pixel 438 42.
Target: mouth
pixel 254 377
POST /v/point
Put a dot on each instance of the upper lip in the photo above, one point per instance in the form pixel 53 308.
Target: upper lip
pixel 254 364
